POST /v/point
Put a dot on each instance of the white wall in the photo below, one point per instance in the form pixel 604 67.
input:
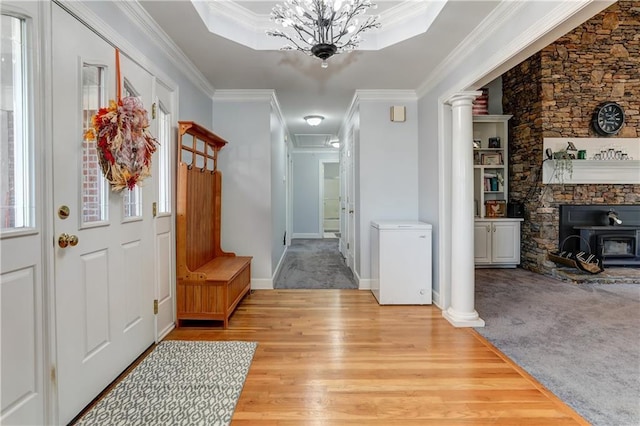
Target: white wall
pixel 306 192
pixel 253 165
pixel 278 189
pixel 386 165
pixel 245 163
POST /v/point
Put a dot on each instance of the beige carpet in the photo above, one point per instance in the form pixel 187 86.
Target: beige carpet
pixel 581 341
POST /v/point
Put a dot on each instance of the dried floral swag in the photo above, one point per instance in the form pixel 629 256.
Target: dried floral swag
pixel 124 143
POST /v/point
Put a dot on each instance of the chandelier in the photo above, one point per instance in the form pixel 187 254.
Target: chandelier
pixel 322 28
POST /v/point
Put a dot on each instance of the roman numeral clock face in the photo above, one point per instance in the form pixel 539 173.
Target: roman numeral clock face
pixel 608 119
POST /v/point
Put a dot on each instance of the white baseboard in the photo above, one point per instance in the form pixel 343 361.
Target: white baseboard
pixel 261 284
pixel 279 265
pixel 307 236
pixel 363 283
pixel 436 299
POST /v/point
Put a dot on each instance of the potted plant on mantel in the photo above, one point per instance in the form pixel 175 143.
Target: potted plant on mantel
pixel 562 162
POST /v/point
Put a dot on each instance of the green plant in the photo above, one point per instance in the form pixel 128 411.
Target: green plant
pixel 562 165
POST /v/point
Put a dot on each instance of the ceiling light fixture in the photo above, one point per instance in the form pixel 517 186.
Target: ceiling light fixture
pixel 313 120
pixel 322 28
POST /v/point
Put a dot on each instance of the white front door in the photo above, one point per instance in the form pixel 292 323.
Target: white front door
pixel 163 169
pixel 104 284
pixel 22 332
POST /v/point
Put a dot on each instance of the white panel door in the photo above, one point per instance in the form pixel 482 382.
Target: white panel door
pixel 164 130
pixel 351 206
pixel 22 371
pixel 104 284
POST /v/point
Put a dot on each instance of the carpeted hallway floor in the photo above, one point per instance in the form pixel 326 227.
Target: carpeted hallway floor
pixel 314 263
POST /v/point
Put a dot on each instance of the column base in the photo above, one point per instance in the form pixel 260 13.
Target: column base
pixel 458 319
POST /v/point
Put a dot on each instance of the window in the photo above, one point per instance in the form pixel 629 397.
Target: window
pixel 164 160
pixel 131 199
pixel 17 207
pixel 95 189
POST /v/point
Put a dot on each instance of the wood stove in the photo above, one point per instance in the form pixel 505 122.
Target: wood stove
pixel 610 231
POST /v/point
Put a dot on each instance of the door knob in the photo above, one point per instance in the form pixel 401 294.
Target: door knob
pixel 65 240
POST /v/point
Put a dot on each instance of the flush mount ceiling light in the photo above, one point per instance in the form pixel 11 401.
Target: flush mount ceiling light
pixel 322 28
pixel 313 120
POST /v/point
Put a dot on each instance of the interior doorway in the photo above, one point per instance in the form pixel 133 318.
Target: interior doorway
pixel 330 199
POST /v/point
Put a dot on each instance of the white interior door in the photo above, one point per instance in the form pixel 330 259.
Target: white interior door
pixel 22 369
pixel 163 169
pixel 104 284
pixel 351 206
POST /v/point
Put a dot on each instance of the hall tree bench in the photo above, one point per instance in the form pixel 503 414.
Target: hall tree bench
pixel 210 282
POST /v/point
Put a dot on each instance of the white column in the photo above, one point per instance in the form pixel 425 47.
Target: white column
pixel 462 311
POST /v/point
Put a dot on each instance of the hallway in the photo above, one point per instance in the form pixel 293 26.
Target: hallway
pixel 314 264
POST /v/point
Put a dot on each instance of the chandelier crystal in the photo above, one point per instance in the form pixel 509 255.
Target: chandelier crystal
pixel 322 28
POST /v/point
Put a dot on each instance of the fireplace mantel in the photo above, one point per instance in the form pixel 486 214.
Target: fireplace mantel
pixel 590 171
pixel 594 171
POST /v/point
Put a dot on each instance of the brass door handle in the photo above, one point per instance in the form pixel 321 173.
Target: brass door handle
pixel 65 240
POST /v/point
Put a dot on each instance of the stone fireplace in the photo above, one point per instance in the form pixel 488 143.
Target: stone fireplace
pixel 552 94
pixel 610 231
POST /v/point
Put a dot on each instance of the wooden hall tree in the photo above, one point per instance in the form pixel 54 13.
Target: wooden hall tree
pixel 210 281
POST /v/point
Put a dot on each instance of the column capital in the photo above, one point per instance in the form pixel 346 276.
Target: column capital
pixel 463 98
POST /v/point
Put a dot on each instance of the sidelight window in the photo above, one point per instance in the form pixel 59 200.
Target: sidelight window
pixel 17 205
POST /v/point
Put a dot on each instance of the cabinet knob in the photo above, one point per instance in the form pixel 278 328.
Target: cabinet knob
pixel 488 228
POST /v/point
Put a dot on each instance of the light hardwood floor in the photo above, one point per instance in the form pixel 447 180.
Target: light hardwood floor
pixel 335 357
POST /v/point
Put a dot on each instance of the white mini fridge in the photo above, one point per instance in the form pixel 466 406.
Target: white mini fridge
pixel 401 262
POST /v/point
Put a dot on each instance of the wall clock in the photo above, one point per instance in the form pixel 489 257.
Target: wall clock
pixel 608 119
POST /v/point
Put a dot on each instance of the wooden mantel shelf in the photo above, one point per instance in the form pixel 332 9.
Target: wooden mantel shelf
pixel 595 171
pixel 592 171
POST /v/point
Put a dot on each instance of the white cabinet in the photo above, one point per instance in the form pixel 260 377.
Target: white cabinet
pixel 497 242
pixel 401 263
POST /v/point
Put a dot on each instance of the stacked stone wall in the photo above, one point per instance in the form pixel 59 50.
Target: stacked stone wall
pixel 553 94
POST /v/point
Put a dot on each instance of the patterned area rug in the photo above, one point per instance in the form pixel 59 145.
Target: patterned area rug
pixel 178 383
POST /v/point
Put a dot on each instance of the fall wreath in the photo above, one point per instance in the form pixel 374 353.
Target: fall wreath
pixel 124 143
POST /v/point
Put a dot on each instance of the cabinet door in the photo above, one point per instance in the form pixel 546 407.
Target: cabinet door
pixel 482 242
pixel 506 242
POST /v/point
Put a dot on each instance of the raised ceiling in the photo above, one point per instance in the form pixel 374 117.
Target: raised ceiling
pixel 301 85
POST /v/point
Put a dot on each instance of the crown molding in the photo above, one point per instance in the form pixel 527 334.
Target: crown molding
pixel 545 31
pixel 242 95
pixel 539 32
pixel 385 95
pixel 327 150
pixel 253 95
pixel 501 15
pixel 389 95
pixel 233 21
pixel 141 18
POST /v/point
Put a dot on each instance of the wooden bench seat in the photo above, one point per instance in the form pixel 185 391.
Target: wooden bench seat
pixel 215 289
pixel 223 269
pixel 210 282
